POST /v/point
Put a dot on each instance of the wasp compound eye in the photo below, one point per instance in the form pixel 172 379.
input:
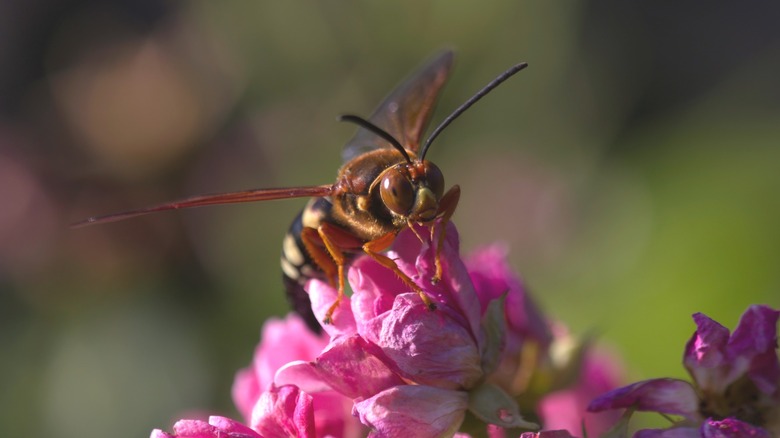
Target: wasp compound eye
pixel 397 192
pixel 434 179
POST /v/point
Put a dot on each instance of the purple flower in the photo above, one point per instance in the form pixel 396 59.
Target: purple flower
pixel 731 428
pixel 735 379
pixel 547 434
pixel 728 428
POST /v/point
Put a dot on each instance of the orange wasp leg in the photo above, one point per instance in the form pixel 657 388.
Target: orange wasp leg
pixel 373 247
pixel 316 249
pixel 447 207
pixel 335 240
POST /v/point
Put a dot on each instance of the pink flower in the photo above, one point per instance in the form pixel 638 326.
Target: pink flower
pixel 284 412
pixel 414 411
pixel 567 408
pixel 492 277
pixel 409 370
pixel 735 378
pixel 400 369
pixel 284 341
pixel 529 330
pixel 280 412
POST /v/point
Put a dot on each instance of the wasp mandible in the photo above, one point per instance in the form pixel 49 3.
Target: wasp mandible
pixel 384 186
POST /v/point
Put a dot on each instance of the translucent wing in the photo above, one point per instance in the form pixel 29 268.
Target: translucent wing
pixel 405 113
pixel 214 199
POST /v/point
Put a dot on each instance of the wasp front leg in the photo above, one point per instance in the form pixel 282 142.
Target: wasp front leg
pixel 447 206
pixel 373 249
pixel 331 258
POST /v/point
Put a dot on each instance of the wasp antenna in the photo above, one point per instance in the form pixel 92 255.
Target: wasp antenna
pixel 363 123
pixel 466 105
pixel 215 199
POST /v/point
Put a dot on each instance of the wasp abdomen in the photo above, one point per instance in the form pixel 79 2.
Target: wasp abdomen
pixel 297 265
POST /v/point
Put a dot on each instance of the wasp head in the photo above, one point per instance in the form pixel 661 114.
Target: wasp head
pixel 412 190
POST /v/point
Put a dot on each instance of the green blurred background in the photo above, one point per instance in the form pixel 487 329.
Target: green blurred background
pixel 632 169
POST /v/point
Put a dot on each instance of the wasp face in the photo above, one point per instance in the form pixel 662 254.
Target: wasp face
pixel 413 190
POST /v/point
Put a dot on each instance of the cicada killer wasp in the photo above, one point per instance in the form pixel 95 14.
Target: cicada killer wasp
pixel 384 186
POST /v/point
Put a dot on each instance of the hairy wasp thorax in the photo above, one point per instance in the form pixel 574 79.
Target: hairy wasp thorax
pixel 412 190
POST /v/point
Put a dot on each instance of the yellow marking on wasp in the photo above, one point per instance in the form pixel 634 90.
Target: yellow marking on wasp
pixel 362 203
pixel 291 251
pixel 311 216
pixel 289 270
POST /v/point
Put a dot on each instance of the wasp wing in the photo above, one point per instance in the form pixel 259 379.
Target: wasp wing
pixel 404 113
pixel 215 199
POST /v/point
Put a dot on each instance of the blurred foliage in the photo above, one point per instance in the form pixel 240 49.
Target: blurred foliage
pixel 633 170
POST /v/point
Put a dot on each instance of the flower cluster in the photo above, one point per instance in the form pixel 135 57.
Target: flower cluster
pixel 486 362
pixel 409 370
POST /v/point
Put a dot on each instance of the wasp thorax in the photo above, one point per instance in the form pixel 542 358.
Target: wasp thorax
pixel 413 190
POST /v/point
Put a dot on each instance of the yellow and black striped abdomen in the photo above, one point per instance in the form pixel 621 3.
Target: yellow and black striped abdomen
pixel 297 266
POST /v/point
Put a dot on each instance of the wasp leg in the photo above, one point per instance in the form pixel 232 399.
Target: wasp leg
pixel 336 240
pixel 447 207
pixel 319 254
pixel 373 247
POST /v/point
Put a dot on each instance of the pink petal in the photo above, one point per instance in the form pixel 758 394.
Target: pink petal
pixel 231 426
pixel 411 411
pixel 217 427
pixel 246 390
pixel 304 375
pixel 430 348
pixel 377 288
pixel 566 409
pixel 284 412
pixel 417 260
pixel 322 297
pixel 358 366
pixel 332 410
pixel 459 290
pixel 493 277
pixel 194 429
pixel 333 416
pixel 408 246
pixel 282 341
pixel 350 366
pixel 668 396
